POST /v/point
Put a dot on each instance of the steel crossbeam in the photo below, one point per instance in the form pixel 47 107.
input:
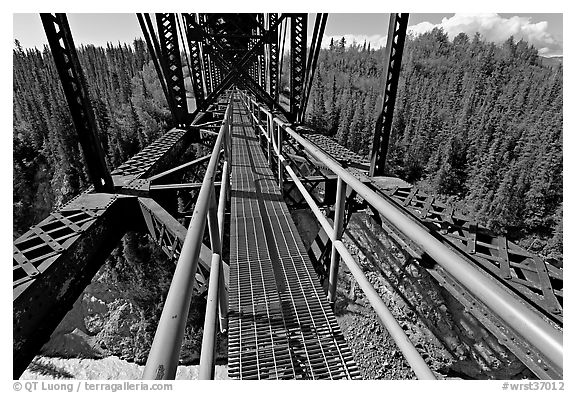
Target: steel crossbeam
pixel 236 67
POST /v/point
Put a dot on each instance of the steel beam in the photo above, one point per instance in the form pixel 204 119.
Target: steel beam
pixel 393 58
pixel 524 273
pixel 196 58
pixel 319 27
pixel 272 73
pixel 76 91
pixel 298 26
pixel 148 36
pixel 236 68
pixel 168 33
pixel 199 26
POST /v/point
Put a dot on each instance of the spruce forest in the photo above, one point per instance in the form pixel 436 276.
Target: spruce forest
pixel 477 123
pixel 130 111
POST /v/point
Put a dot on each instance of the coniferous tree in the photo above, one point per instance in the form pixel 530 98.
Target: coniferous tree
pixel 475 121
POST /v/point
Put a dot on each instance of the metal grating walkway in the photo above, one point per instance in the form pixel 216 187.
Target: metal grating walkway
pixel 280 324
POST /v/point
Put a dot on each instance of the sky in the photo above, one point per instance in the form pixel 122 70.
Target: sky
pixel 543 30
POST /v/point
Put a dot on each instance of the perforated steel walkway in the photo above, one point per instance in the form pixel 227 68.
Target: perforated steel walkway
pixel 280 325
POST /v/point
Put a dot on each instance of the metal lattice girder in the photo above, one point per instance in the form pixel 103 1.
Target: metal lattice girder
pixel 298 26
pixel 336 150
pixel 76 91
pixel 217 74
pixel 168 33
pixel 272 72
pixel 208 73
pixel 156 155
pixel 262 72
pixel 55 260
pixel 501 333
pixel 506 336
pixel 316 42
pixel 393 55
pixel 235 43
pixel 236 68
pixel 196 61
pixel 205 54
pixel 526 274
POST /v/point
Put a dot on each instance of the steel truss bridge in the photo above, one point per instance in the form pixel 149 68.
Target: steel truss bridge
pixel 264 291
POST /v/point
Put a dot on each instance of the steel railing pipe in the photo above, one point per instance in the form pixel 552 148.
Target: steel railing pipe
pixel 208 349
pixel 411 354
pixel 165 351
pixel 223 295
pixel 526 322
pixel 547 339
pixel 216 300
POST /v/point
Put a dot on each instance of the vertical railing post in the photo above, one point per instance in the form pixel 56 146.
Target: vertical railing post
pixel 337 235
pixel 207 353
pixel 280 161
pixel 270 138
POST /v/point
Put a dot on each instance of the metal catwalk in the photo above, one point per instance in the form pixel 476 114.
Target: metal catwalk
pixel 280 323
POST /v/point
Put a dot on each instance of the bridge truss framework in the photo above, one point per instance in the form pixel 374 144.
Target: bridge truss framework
pixel 57 258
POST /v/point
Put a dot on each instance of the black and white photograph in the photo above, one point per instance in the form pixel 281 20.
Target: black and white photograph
pixel 251 195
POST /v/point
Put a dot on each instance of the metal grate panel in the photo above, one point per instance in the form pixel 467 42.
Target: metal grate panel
pixel 280 324
pixel 145 159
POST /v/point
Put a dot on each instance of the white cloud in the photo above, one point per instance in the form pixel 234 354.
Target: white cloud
pixel 497 29
pixel 492 27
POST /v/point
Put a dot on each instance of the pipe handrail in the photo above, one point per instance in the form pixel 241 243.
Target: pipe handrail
pixel 164 354
pixel 410 352
pixel 518 316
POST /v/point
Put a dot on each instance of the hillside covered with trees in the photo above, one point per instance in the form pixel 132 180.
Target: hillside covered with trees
pixel 118 312
pixel 130 110
pixel 477 123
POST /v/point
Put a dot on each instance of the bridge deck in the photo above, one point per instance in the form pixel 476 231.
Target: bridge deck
pixel 280 325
